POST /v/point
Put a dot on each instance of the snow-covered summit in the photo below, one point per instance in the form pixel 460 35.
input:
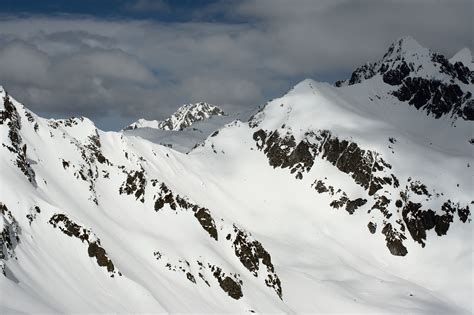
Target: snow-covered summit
pixel 184 117
pixel 465 57
pixel 422 78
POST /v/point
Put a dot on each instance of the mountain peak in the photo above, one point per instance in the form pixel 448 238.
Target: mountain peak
pixel 405 45
pixel 405 49
pixel 182 118
pixel 187 114
pixel 422 78
pixel 465 57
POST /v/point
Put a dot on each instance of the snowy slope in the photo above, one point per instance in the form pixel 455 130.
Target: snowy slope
pixel 186 139
pixel 328 200
pixel 184 117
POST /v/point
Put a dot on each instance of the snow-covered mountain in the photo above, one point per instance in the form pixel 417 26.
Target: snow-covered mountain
pixel 341 198
pixel 424 79
pixel 184 117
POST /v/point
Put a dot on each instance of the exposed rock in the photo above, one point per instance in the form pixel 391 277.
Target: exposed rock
pixel 251 252
pixel 394 241
pixel 284 152
pixel 12 119
pixel 9 236
pixel 372 227
pixel 370 171
pixel 434 97
pixel 229 285
pixel 135 184
pixel 73 229
pixel 206 221
pixel 95 147
pixel 418 221
pixel 34 211
pixel 352 205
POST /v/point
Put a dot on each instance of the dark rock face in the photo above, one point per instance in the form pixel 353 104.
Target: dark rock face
pixel 370 171
pixel 135 184
pixel 397 75
pixel 352 205
pixel 229 282
pixel 203 215
pixel 11 118
pixel 205 219
pixel 434 97
pixel 9 237
pixel 99 253
pixel 362 73
pixel 250 252
pixel 457 70
pixel 95 147
pixel 419 221
pixel 361 164
pixel 468 111
pixel 229 285
pixel 165 196
pixel 394 240
pixel 372 227
pixel 284 152
pixel 321 187
pixel 72 229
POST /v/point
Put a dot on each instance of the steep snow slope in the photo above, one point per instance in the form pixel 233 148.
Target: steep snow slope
pixel 184 117
pixel 330 199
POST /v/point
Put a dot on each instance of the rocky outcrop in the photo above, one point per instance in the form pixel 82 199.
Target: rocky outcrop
pixel 94 248
pixel 134 184
pixel 251 254
pixel 9 116
pixel 9 237
pixel 229 282
pixel 369 170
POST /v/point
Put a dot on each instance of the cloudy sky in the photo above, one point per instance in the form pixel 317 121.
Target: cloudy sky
pixel 115 61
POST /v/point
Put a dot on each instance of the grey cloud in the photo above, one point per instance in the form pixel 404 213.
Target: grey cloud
pixel 147 5
pixel 132 69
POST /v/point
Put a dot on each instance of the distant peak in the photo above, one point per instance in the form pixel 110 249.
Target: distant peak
pixel 182 118
pixel 465 57
pixel 187 114
pixel 405 46
pixel 407 43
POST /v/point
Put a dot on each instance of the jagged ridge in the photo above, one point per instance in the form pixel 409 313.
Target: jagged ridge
pixel 184 117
